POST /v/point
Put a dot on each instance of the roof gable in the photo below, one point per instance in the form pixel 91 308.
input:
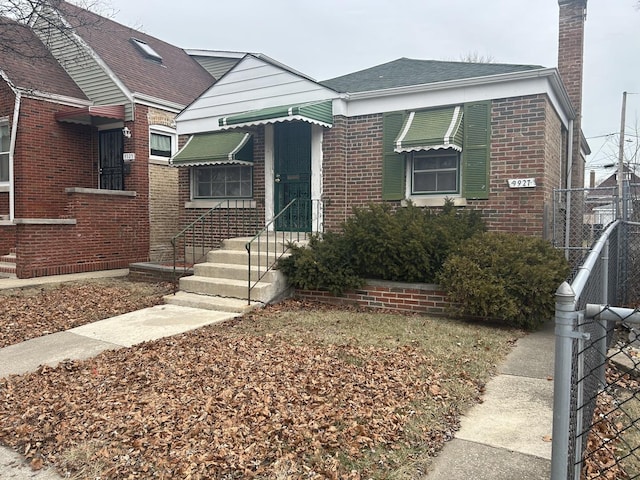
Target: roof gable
pixel 254 83
pixel 177 78
pixel 28 65
pixel 407 72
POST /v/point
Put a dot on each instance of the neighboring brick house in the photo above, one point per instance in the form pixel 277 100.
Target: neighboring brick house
pixel 87 125
pixel 416 130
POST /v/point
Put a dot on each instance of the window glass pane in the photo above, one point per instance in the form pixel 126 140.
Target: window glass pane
pixel 424 182
pixel 160 145
pixel 435 172
pixel 223 181
pixel 4 138
pixel 447 181
pixel 4 167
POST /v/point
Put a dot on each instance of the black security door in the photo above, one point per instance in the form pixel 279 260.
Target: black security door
pixel 111 160
pixel 292 151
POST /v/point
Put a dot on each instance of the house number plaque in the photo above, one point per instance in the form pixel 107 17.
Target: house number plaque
pixel 522 182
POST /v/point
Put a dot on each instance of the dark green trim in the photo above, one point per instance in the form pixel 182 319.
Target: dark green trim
pixel 476 150
pixel 216 149
pixel 319 113
pixel 393 164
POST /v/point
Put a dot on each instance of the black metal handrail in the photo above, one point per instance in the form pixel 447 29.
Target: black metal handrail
pixel 277 243
pixel 208 230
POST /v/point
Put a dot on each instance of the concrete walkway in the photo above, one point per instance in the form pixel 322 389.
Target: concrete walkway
pixel 506 437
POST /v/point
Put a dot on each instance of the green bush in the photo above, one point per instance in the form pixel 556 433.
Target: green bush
pixel 406 245
pixel 507 277
pixel 322 265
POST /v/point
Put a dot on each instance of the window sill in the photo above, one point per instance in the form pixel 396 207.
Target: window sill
pixel 240 203
pixel 435 201
pixel 98 191
pixel 4 187
pixel 158 161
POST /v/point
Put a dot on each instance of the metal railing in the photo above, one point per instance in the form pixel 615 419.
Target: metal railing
pixel 227 219
pixel 295 221
pixel 596 433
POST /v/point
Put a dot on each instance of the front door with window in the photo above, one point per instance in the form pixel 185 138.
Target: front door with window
pixel 292 175
pixel 111 160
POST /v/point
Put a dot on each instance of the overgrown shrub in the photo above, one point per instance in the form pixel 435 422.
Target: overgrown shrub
pixel 406 245
pixel 507 277
pixel 324 264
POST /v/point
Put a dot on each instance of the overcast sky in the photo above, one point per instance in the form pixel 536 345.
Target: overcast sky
pixel 334 37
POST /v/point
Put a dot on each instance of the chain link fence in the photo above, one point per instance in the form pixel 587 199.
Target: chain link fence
pixel 597 391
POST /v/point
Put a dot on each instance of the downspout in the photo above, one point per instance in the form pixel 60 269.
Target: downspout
pixel 12 147
pixel 567 223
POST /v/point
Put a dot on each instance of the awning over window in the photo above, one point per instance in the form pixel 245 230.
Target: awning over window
pixel 320 113
pixel 92 115
pixel 217 148
pixel 431 130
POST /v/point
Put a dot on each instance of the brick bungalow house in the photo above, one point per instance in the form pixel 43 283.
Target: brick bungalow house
pixel 87 126
pixel 493 137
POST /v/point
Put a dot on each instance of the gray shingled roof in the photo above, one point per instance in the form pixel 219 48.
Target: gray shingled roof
pixel 406 72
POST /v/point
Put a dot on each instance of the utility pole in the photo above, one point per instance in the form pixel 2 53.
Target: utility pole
pixel 623 210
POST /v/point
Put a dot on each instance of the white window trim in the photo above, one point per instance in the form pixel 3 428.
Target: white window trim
pixel 431 199
pixel 4 185
pixel 163 130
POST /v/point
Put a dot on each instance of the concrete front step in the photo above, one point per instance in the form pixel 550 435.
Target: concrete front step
pixel 208 302
pixel 236 257
pixel 233 271
pixel 273 242
pixel 8 268
pixel 225 287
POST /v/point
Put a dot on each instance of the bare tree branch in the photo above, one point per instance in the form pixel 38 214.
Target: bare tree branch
pixel 475 57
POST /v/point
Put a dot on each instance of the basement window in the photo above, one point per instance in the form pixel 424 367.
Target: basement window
pixel 146 50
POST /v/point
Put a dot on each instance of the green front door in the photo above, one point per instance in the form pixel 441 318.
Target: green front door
pixel 292 175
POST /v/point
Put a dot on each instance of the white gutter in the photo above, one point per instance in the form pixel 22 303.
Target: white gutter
pixel 155 102
pixel 12 146
pixel 550 73
pixel 567 210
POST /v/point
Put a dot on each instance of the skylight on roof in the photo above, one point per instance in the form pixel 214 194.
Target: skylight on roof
pixel 146 49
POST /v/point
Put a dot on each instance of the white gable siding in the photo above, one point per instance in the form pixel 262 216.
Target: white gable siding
pixel 251 85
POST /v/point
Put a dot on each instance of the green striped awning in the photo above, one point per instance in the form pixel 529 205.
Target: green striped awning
pixel 320 113
pixel 431 130
pixel 215 149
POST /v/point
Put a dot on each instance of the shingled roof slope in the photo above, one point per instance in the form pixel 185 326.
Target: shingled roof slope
pixel 30 66
pixel 405 72
pixel 179 78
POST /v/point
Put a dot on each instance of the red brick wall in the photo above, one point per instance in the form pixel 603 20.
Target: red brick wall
pixel 405 298
pixel 99 240
pixel 525 142
pixel 7 238
pixel 4 203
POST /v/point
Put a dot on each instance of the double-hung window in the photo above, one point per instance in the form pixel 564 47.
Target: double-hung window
pixel 435 172
pixel 162 143
pixel 222 181
pixel 5 142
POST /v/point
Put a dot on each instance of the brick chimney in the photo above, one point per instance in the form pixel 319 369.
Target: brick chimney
pixel 573 14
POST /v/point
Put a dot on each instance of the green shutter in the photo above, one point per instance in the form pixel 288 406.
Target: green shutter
pixel 393 176
pixel 476 150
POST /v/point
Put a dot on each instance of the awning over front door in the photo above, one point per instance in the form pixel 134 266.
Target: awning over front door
pixel 431 130
pixel 92 115
pixel 319 113
pixel 217 148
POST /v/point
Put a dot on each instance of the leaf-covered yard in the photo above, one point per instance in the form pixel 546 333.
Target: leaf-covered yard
pixel 291 391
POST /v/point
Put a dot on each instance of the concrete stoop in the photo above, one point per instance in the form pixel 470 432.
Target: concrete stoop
pixel 221 283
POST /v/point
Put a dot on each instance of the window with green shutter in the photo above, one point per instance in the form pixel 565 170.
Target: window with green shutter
pixel 393 171
pixel 476 150
pixel 434 163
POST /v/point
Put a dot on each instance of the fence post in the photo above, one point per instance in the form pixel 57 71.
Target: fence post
pixel 564 320
pixel 603 340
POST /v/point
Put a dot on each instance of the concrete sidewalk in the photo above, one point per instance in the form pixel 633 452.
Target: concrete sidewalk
pixel 506 437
